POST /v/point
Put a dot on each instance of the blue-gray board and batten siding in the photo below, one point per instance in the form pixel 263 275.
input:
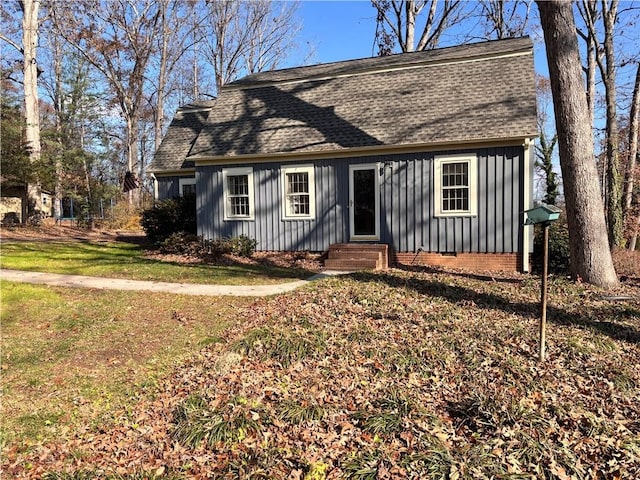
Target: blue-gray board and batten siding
pixel 169 187
pixel 407 220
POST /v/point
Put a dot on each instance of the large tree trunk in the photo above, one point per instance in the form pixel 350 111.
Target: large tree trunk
pixel 58 106
pixel 31 107
pixel 634 129
pixel 614 178
pixel 590 255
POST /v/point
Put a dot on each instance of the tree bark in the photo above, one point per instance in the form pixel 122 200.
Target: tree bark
pixel 58 107
pixel 590 255
pixel 31 100
pixel 634 130
pixel 614 178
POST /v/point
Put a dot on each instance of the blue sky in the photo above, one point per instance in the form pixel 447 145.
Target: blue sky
pixel 345 29
pixel 339 30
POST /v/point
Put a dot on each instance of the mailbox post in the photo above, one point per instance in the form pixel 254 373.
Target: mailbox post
pixel 543 214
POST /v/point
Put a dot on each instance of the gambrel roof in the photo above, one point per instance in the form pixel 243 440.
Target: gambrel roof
pixel 175 149
pixel 458 95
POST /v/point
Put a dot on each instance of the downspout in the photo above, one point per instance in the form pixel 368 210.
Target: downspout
pixel 527 194
pixel 155 187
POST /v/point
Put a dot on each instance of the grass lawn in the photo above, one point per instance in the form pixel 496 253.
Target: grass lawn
pixel 70 356
pixel 389 375
pixel 126 260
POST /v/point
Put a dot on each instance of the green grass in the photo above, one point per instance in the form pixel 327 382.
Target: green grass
pixel 372 375
pixel 69 355
pixel 126 260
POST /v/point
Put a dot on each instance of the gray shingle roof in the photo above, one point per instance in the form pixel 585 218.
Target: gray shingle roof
pixel 476 92
pixel 181 135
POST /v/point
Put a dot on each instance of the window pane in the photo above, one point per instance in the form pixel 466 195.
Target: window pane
pixel 298 182
pixel 240 206
pixel 188 189
pixel 238 184
pixel 298 204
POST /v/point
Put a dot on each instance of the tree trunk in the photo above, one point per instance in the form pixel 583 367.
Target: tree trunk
pixel 58 106
pixel 634 129
pixel 590 255
pixel 410 26
pixel 31 106
pixel 158 123
pixel 614 178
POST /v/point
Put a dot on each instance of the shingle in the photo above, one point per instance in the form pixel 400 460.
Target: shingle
pixel 176 145
pixel 460 94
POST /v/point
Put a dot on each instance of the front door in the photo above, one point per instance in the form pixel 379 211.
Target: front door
pixel 364 202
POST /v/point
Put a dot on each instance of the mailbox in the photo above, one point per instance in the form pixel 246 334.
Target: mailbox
pixel 541 213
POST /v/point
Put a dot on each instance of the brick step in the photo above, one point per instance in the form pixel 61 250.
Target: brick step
pixel 350 264
pixel 356 255
pixel 378 247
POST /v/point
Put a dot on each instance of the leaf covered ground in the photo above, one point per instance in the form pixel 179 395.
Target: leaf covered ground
pixel 386 375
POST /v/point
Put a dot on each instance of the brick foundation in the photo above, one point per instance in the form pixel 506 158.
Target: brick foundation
pixel 506 262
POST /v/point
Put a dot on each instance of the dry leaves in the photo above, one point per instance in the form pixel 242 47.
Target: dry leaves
pixel 396 375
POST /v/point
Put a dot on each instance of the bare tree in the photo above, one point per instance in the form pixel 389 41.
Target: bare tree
pixel 274 29
pixel 118 39
pixel 588 9
pixel 632 169
pixel 247 37
pixel 590 255
pixel 397 22
pixel 32 203
pixel 607 65
pixel 504 18
pixel 175 38
pixel 546 141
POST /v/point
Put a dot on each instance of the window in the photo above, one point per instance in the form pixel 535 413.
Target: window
pixel 187 186
pixel 238 193
pixel 298 192
pixel 455 186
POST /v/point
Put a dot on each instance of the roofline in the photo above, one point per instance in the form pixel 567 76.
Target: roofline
pixel 359 151
pixel 369 71
pixel 194 109
pixel 172 172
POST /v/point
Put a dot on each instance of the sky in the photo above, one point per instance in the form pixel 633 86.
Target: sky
pixel 345 29
pixel 339 29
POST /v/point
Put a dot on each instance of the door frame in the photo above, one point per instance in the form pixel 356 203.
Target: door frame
pixel 364 166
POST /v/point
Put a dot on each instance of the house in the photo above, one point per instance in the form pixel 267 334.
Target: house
pixel 428 153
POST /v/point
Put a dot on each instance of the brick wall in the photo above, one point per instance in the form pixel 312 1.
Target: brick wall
pixel 509 262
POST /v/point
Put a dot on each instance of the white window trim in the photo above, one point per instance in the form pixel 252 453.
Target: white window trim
pixel 309 170
pixel 472 161
pixel 185 181
pixel 226 172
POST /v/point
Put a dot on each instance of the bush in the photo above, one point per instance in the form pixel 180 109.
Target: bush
pixel 183 243
pixel 121 216
pixel 558 247
pixel 242 246
pixel 170 216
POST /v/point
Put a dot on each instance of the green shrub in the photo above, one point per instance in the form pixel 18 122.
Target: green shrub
pixel 242 246
pixel 558 247
pixel 170 216
pixel 182 243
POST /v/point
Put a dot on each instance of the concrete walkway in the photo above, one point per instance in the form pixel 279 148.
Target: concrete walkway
pixel 82 281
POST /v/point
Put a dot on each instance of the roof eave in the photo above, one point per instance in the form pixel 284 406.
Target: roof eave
pixel 520 140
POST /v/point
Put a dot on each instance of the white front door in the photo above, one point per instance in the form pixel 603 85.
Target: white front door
pixel 364 202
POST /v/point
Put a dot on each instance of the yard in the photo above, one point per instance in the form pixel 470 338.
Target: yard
pixel 425 374
pixel 110 256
